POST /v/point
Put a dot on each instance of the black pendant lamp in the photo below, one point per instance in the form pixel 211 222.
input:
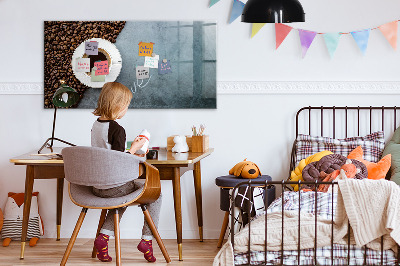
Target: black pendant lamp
pixel 273 11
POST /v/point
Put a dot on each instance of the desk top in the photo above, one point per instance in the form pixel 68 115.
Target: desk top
pixel 164 157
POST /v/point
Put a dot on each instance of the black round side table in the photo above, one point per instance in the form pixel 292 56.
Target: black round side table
pixel 228 182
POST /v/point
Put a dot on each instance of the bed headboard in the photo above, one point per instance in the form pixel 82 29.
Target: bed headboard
pixel 344 121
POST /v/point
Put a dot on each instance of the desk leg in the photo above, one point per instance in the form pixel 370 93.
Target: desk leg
pixel 199 204
pixel 60 190
pixel 176 182
pixel 27 206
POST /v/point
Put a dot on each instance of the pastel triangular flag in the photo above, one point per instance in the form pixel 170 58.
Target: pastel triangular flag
pixel 237 9
pixel 361 37
pixel 306 39
pixel 389 30
pixel 256 28
pixel 281 31
pixel 213 2
pixel 332 41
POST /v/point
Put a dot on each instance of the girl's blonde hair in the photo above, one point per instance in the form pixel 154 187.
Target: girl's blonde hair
pixel 112 99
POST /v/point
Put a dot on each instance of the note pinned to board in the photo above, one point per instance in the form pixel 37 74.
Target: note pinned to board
pixel 151 62
pixel 91 48
pixel 82 65
pixel 102 68
pixel 164 67
pixel 142 72
pixel 94 78
pixel 145 48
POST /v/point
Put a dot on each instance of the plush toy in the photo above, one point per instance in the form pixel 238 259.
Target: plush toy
pixel 296 174
pixel 245 169
pixel 180 144
pixel 1 220
pixel 13 215
pixel 375 170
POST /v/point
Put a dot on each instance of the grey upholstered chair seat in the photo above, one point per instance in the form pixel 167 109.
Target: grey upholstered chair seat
pixel 83 196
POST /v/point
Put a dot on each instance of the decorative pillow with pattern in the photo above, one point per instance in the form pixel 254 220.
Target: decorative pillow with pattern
pixel 372 145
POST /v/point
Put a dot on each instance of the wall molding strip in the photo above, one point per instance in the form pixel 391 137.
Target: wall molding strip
pixel 260 87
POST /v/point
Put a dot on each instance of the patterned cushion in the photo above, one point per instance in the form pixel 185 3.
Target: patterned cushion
pixel 372 144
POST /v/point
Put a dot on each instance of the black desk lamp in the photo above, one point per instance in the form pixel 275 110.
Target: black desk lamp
pixel 63 97
pixel 273 11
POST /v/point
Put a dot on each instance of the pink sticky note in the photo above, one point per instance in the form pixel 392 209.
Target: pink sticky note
pixel 102 68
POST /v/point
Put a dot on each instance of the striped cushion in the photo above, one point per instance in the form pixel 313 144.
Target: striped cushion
pixel 13 228
pixel 372 145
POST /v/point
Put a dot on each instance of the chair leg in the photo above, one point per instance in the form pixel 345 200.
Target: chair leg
pixel 117 239
pixel 73 237
pixel 223 229
pixel 154 230
pixel 101 222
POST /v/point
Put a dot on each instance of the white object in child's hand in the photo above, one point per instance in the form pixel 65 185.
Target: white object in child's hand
pixel 144 134
pixel 180 144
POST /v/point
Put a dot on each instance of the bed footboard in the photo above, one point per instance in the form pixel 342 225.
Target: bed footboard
pixel 309 256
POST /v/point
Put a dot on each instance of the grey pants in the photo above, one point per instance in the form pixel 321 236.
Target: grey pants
pixel 153 208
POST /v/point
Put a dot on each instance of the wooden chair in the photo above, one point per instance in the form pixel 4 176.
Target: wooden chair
pixel 85 167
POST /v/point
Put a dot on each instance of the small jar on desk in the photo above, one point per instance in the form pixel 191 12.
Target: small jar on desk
pixel 226 183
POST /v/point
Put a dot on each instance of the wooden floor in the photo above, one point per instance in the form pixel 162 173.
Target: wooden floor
pixel 50 252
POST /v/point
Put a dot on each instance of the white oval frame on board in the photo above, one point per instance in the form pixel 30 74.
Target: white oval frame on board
pixel 113 57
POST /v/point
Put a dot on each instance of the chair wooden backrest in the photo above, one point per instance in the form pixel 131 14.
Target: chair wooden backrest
pixel 91 166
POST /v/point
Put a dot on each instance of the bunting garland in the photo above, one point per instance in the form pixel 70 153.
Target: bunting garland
pixel 281 31
pixel 361 37
pixel 332 41
pixel 213 2
pixel 389 30
pixel 306 39
pixel 237 9
pixel 256 27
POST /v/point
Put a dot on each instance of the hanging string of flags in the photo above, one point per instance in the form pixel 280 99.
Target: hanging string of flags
pixel 361 37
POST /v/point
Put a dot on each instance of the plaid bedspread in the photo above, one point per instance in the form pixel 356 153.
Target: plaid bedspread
pixel 321 205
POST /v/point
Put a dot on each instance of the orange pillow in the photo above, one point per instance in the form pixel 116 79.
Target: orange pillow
pixel 375 170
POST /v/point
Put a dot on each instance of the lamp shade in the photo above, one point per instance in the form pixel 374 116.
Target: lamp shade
pixel 65 96
pixel 273 11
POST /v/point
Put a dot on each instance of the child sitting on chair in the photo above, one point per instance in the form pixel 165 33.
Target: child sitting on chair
pixel 106 133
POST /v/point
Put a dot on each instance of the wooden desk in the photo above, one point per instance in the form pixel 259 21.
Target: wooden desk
pixel 171 167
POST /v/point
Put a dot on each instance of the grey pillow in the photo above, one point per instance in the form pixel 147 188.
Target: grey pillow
pixel 393 148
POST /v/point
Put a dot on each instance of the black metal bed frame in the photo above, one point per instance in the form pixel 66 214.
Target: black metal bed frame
pixel 283 184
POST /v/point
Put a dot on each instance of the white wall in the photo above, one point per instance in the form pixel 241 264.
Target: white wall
pixel 257 127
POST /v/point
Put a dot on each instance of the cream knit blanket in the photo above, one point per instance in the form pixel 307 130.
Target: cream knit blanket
pixel 373 209
pixel 371 206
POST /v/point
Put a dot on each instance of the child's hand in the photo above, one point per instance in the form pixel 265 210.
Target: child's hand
pixel 142 155
pixel 137 144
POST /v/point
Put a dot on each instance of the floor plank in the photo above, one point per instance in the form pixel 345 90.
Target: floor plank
pixel 49 252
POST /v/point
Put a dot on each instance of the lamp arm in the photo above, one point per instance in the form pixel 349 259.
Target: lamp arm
pixel 54 126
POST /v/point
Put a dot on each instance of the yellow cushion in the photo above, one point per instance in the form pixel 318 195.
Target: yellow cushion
pixel 296 174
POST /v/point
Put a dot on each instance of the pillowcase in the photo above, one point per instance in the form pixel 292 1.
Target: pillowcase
pixel 375 170
pixel 372 145
pixel 393 148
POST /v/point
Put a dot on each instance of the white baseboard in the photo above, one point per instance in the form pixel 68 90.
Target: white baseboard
pixel 260 87
pixel 135 233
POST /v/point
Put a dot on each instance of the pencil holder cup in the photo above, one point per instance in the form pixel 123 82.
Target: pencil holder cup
pixel 200 143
